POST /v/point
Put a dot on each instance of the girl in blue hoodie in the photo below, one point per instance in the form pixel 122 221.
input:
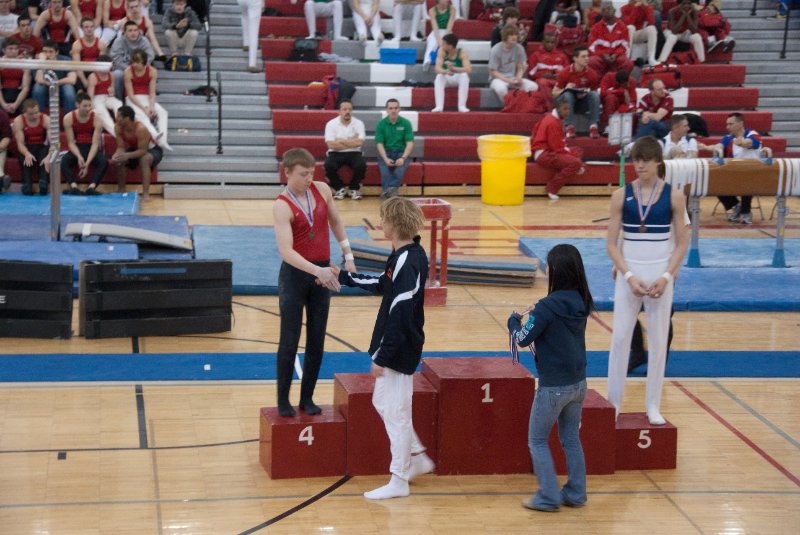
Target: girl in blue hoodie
pixel 556 327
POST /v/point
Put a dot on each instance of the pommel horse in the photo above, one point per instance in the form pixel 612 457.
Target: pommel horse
pixel 700 177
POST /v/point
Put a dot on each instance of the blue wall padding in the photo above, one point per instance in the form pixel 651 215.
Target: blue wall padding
pixel 106 204
pixel 254 253
pixel 261 366
pixel 735 287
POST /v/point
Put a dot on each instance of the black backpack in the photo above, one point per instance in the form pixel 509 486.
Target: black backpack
pixel 304 50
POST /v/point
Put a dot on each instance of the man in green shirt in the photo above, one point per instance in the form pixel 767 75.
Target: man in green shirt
pixel 394 138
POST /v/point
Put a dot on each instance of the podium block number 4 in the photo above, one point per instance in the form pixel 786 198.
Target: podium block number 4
pixel 306 435
pixel 644 439
pixel 486 397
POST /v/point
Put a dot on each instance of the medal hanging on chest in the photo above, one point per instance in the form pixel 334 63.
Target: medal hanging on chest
pixel 643 213
pixel 309 214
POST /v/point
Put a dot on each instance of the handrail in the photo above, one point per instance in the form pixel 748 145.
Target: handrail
pixel 219 113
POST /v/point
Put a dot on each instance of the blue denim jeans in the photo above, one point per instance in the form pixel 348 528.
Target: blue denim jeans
pixel 41 93
pixel 560 404
pixel 392 177
pixel 657 129
pixel 590 103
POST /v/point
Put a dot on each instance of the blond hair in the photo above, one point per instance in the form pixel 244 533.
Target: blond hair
pixel 404 216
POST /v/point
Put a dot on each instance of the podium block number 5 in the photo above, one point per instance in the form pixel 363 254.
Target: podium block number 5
pixel 306 435
pixel 644 439
pixel 487 398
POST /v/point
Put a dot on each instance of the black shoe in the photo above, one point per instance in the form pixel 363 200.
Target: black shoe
pixel 42 191
pixel 92 191
pixel 286 410
pixel 728 45
pixel 162 58
pixel 636 360
pixel 5 183
pixel 72 191
pixel 310 408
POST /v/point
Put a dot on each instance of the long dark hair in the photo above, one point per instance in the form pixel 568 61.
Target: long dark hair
pixel 566 272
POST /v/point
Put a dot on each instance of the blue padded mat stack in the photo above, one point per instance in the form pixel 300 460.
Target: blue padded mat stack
pixel 28 227
pixel 106 204
pixel 738 286
pixel 254 253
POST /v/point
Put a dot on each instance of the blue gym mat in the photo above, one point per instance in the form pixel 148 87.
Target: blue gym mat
pixel 735 287
pixel 254 253
pixel 32 227
pixel 261 366
pixel 106 204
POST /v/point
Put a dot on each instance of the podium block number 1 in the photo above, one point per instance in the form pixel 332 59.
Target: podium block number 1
pixel 487 398
pixel 306 435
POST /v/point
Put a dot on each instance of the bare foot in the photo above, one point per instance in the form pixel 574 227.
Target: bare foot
pixel 145 197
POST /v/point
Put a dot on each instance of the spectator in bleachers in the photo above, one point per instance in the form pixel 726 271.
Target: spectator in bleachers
pixel 58 25
pixel 92 9
pixel 367 14
pixel 639 17
pixel 66 82
pixel 782 10
pixel 251 21
pixel 592 14
pixel 83 130
pixel 101 89
pixel 545 64
pixel 511 15
pixel 29 45
pixel 715 28
pixel 550 151
pixel 740 142
pixel 407 9
pixel 609 43
pixel 677 144
pixel 394 138
pixel 656 110
pixel 113 18
pixel 577 85
pixel 181 28
pixel 452 70
pixel 8 20
pixel 682 26
pixel 140 94
pixel 5 140
pixel 135 149
pixel 323 8
pixel 618 94
pixel 15 83
pixel 564 9
pixel 657 12
pixel 135 13
pixel 345 137
pixel 87 48
pixel 122 51
pixel 31 128
pixel 507 65
pixel 443 16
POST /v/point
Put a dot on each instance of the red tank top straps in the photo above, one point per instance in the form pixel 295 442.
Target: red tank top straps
pixel 143 25
pixel 131 141
pixel 57 28
pixel 101 87
pixel 90 53
pixel 34 134
pixel 84 132
pixel 116 13
pixel 88 9
pixel 12 78
pixel 313 243
pixel 141 84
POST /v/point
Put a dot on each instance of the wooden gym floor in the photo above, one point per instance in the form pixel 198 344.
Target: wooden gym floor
pixel 102 458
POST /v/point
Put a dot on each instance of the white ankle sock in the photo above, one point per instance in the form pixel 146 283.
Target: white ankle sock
pixel 396 488
pixel 420 464
pixel 655 418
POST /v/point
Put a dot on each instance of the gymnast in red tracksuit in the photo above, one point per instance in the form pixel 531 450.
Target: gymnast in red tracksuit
pixel 550 151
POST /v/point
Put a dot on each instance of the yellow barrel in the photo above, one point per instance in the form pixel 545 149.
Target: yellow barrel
pixel 503 168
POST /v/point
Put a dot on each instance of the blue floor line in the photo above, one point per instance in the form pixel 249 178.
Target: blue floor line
pixel 261 366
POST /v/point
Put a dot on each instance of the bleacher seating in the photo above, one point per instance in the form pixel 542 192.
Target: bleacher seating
pixel 445 151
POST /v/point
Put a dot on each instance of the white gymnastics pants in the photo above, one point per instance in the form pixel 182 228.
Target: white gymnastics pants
pixel 251 20
pixel 392 400
pixel 626 310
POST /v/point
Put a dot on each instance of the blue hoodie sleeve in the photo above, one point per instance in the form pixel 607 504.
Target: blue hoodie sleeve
pixel 538 319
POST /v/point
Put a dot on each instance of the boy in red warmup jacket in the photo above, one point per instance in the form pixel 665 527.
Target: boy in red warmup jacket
pixel 550 151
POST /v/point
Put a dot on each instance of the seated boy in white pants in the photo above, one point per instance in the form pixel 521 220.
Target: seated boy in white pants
pixel 452 70
pixel 507 64
pixel 323 8
pixel 397 340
